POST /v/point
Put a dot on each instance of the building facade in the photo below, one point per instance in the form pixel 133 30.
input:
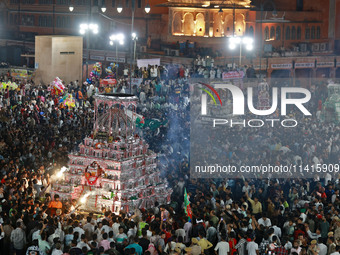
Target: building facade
pixel 283 31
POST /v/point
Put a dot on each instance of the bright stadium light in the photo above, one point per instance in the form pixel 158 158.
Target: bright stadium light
pixel 248 42
pixel 88 27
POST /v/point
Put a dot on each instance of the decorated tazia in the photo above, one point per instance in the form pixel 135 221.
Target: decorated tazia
pixel 10 85
pixel 67 100
pixel 93 172
pixel 57 87
pixel 111 70
pixel 95 73
pixel 114 167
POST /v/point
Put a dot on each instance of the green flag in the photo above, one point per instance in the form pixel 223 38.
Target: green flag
pixel 187 207
pixel 140 122
pixel 152 124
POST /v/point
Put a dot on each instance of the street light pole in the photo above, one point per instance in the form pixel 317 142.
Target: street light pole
pixel 261 39
pixel 134 54
pixel 131 47
pixel 84 28
pixel 88 41
pixel 87 54
pixel 19 17
pixel 116 60
pixel 115 39
pixel 119 10
pixel 247 41
pixel 87 28
pixel 234 19
pixel 240 56
pixel 53 16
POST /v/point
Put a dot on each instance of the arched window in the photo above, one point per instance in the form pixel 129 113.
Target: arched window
pixel 307 33
pixel 58 22
pixel 44 21
pixel 299 5
pixel 23 20
pixel 240 24
pixel 49 21
pixel 287 33
pixel 318 33
pixel 188 24
pixel 32 20
pixel 293 37
pixel 228 25
pixel 177 24
pixel 272 33
pixel 298 33
pixel 217 25
pixel 266 33
pixel 200 25
pixel 278 33
pixel 313 33
pixel 251 31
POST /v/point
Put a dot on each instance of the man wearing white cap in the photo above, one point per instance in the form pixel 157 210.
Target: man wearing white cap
pixel 194 249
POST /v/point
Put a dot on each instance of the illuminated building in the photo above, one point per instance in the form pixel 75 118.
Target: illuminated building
pixel 298 37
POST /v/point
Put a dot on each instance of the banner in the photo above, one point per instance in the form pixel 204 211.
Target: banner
pixel 151 124
pixel 147 62
pixel 305 65
pixel 114 59
pixel 108 81
pixel 21 74
pixel 325 64
pixel 281 66
pixel 232 75
pixel 97 57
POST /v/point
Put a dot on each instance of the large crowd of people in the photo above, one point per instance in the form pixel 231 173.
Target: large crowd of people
pixel 229 216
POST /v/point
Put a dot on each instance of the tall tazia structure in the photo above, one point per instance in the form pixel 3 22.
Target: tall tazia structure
pixel 114 169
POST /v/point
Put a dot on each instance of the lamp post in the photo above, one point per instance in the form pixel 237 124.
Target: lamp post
pixel 103 7
pixel 134 39
pixel 119 7
pixel 147 8
pixel 53 20
pixel 117 39
pixel 261 39
pixel 88 27
pixel 119 10
pixel 131 48
pixel 247 41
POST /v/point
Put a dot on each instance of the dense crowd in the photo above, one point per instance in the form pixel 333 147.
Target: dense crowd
pixel 202 67
pixel 230 216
